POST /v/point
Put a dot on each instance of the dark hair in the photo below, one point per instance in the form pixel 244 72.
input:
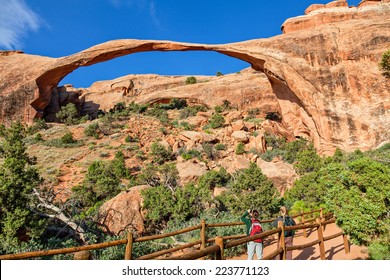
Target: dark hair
pixel 255 211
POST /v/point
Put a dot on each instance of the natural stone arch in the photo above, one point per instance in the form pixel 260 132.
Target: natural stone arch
pixel 273 68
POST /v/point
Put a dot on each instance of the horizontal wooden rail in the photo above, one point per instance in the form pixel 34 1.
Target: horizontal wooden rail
pixel 251 238
pixel 169 234
pixel 303 246
pixel 333 236
pixel 330 221
pixel 45 253
pixel 168 251
pixel 273 254
pixel 196 255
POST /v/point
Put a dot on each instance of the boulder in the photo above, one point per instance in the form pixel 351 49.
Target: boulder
pixel 282 174
pixel 190 170
pixel 240 136
pixel 123 212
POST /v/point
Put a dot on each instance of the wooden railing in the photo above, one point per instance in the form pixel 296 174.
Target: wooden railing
pixel 220 242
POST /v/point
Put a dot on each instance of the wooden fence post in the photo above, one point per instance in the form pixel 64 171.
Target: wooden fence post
pixel 303 222
pixel 321 239
pixel 129 246
pixel 346 243
pixel 322 218
pixel 282 243
pixel 203 234
pixel 220 254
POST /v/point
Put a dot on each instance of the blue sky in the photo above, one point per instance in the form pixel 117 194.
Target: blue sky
pixel 63 27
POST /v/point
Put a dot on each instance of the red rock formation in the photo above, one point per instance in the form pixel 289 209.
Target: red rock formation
pixel 323 71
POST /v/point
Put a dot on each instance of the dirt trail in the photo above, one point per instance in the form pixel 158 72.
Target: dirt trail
pixel 334 248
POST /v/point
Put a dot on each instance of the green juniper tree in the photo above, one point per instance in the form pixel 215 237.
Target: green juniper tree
pixel 18 179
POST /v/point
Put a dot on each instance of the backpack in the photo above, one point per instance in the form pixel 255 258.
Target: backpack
pixel 288 221
pixel 256 229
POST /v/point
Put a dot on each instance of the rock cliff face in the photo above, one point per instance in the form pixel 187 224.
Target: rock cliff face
pixel 322 73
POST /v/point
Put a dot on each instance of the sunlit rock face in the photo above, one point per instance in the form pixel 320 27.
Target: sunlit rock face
pixel 321 75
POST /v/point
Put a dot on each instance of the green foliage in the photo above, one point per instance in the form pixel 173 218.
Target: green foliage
pixel 67 138
pixel 101 182
pixel 191 111
pixel 160 153
pixel 160 175
pixel 18 178
pixel 38 125
pixel 307 161
pixel 251 189
pixel 209 151
pixel 240 148
pixel 213 179
pixel 163 204
pixel 158 113
pixel 191 80
pixel 216 121
pixel 380 249
pixel 92 130
pixel 191 154
pixel 384 64
pixel 68 114
pixel 219 74
pixel 220 147
pixel 137 108
pixel 360 199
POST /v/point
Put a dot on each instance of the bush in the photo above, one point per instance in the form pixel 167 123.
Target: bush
pixel 216 121
pixel 192 111
pixel 159 153
pixel 68 114
pixel 191 80
pixel 220 147
pixel 240 149
pixel 219 74
pixel 68 138
pixel 92 130
pixel 385 64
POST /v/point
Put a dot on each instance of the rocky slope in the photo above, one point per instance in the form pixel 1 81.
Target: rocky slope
pixel 323 72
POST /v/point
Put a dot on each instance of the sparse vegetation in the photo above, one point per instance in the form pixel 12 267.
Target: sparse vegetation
pixel 191 80
pixel 385 64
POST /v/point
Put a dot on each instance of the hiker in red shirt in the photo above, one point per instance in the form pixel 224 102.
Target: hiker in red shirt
pixel 253 227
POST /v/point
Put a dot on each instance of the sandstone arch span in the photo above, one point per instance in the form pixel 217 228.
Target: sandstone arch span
pixel 325 77
pixel 271 66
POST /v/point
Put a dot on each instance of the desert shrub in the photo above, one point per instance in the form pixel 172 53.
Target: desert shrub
pixel 68 114
pixel 219 74
pixel 190 154
pixel 379 249
pixel 175 103
pixel 216 121
pixel 240 148
pixel 159 175
pixel 191 111
pixel 67 138
pixel 92 130
pixel 218 109
pixel 213 179
pixel 293 148
pixel 101 182
pixel 191 80
pixel 163 204
pixel 137 108
pixel 158 113
pixel 209 151
pixel 274 141
pixel 38 125
pixel 220 147
pixel 160 153
pixel 384 64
